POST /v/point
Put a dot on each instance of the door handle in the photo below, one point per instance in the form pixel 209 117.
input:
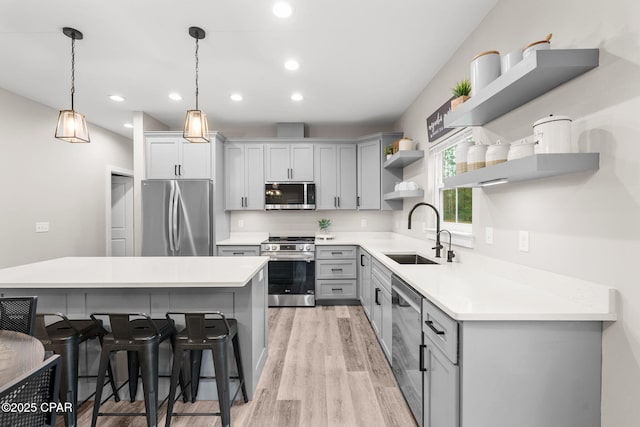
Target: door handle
pixel 361 260
pixel 421 348
pixel 175 170
pixel 335 202
pixel 376 298
pixel 433 328
pixel 338 201
pixel 180 170
pixel 336 269
pixel 170 217
pixel 358 201
pixel 336 289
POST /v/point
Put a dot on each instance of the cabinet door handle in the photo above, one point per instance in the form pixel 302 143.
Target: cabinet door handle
pixel 358 201
pixel 361 260
pixel 179 170
pixel 336 269
pixel 433 328
pixel 421 350
pixel 338 201
pixel 335 202
pixel 246 202
pixel 376 298
pixel 175 170
pixel 238 253
pixel 336 253
pixel 336 289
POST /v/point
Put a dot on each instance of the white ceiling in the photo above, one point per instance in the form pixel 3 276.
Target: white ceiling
pixel 361 61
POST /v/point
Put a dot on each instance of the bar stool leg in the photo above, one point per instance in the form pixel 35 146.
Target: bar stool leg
pixel 69 377
pixel 112 378
pixel 196 363
pixel 236 352
pixel 133 363
pixel 102 370
pixel 176 371
pixel 149 367
pixel 221 365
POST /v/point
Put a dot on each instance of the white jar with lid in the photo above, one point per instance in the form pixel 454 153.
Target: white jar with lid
pixel 553 135
pixel 476 156
pixel 462 149
pixel 485 68
pixel 497 153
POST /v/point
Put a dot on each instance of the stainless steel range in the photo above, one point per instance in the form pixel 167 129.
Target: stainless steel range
pixel 292 271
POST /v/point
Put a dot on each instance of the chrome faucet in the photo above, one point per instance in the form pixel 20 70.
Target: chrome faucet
pixel 450 254
pixel 438 246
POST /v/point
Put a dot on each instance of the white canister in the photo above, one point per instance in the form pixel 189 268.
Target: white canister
pixel 405 144
pixel 485 68
pixel 521 149
pixel 509 60
pixel 553 135
pixel 539 45
pixel 497 153
pixel 476 156
pixel 462 149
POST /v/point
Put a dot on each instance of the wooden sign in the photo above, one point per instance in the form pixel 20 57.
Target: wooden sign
pixel 435 122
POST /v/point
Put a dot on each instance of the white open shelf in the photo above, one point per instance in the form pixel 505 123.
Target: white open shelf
pixel 397 195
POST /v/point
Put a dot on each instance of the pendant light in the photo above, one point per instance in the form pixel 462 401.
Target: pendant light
pixel 196 128
pixel 72 126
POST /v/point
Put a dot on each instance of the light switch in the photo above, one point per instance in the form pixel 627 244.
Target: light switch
pixel 523 241
pixel 488 235
pixel 42 227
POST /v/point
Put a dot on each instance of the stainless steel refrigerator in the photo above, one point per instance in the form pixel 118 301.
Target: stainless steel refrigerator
pixel 177 217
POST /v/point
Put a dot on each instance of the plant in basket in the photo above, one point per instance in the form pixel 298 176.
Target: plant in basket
pixel 461 91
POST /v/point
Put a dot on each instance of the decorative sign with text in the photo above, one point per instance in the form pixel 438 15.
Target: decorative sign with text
pixel 435 122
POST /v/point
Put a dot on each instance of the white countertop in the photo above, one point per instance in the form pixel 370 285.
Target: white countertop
pixel 482 288
pixel 133 272
pixel 244 239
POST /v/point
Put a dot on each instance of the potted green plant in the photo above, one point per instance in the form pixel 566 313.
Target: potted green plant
pixel 324 224
pixel 461 91
pixel 388 151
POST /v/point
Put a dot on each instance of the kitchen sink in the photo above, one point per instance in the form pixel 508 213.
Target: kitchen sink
pixel 410 259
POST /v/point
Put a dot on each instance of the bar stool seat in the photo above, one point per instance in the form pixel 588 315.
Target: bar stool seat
pixel 140 336
pixel 64 338
pixel 202 333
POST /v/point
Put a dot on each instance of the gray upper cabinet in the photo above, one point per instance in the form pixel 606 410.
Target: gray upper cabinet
pixel 335 176
pixel 369 169
pixel 288 162
pixel 244 176
pixel 169 156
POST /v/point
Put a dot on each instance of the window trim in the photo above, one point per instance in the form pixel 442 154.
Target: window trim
pixel 462 234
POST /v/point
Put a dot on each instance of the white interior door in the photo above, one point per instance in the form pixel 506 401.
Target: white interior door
pixel 121 215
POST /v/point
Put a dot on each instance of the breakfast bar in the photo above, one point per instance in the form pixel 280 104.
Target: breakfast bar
pixel 79 286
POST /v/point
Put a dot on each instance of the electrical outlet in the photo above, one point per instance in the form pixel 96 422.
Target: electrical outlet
pixel 42 227
pixel 488 235
pixel 363 223
pixel 241 223
pixel 523 241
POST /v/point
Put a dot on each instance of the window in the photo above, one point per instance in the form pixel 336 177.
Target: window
pixel 455 204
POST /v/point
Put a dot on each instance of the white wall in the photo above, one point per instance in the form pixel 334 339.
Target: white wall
pixel 584 225
pixel 45 179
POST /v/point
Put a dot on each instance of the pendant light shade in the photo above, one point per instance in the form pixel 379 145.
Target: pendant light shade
pixel 196 128
pixel 72 126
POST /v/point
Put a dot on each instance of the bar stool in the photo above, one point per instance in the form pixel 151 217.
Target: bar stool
pixel 142 335
pixel 202 333
pixel 64 338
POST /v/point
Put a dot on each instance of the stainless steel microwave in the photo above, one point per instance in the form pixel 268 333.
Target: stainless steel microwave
pixel 289 195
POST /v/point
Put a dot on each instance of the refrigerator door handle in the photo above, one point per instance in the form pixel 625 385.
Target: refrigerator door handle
pixel 170 217
pixel 176 234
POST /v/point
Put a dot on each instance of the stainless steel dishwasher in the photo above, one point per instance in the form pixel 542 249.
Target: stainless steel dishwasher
pixel 407 343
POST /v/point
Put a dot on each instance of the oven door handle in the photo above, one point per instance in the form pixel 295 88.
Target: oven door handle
pixel 290 258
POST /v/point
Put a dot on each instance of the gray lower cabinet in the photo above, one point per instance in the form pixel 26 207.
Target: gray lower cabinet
pixel 364 281
pixel 336 273
pixel 238 250
pixel 335 176
pixel 244 176
pixel 510 373
pixel 381 306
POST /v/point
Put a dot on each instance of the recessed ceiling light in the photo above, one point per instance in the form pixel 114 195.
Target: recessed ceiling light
pixel 128 125
pixel 236 97
pixel 297 96
pixel 282 9
pixel 291 65
pixel 175 96
pixel 116 98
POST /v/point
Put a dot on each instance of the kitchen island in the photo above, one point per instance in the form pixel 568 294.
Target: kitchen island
pixel 79 286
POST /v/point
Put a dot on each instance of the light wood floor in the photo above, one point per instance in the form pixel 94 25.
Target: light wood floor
pixel 325 368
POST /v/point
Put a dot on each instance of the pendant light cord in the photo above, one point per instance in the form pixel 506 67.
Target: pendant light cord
pixel 73 70
pixel 197 73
